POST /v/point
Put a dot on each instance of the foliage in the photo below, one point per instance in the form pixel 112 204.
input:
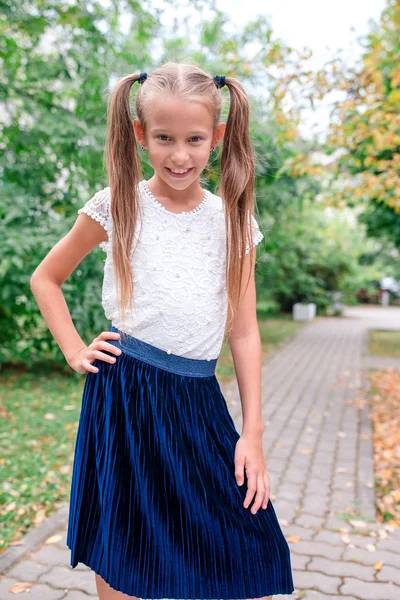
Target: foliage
pixel 55 70
pixel 365 127
pixel 368 128
pixel 312 252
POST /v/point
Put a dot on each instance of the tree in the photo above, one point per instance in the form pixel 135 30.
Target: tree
pixel 366 128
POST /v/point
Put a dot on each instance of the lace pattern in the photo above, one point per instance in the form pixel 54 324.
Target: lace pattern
pixel 99 208
pixel 180 299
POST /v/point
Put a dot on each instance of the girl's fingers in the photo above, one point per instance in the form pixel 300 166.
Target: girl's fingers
pixel 108 334
pixel 260 494
pixel 109 347
pixel 251 488
pixel 239 471
pixel 102 356
pixel 267 491
pixel 89 367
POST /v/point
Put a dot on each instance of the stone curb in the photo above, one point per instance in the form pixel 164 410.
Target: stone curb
pixel 34 537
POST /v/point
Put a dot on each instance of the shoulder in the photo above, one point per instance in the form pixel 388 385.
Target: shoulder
pixel 100 198
pixel 98 206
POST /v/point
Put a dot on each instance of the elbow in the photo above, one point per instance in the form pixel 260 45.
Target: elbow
pixel 39 280
pixel 36 280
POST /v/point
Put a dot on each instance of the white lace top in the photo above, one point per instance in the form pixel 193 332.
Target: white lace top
pixel 180 299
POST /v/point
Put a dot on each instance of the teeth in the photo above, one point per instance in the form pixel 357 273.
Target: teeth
pixel 180 171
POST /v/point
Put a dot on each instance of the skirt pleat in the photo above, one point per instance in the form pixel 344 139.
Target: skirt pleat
pixel 155 509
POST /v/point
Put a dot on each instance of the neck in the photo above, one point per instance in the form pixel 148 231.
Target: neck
pixel 187 198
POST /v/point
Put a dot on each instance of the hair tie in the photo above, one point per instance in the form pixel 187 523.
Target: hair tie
pixel 219 81
pixel 142 77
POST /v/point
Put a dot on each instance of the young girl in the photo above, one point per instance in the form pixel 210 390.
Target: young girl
pixel 167 499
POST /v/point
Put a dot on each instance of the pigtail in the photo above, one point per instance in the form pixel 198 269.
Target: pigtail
pixel 124 173
pixel 237 185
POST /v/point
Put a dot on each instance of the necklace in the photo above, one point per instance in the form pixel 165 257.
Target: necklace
pixel 190 212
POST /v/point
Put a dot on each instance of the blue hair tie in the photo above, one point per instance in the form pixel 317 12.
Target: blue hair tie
pixel 219 81
pixel 142 77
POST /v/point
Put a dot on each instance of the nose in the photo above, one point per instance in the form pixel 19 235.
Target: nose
pixel 180 156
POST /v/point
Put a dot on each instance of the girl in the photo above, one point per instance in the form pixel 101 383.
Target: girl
pixel 167 499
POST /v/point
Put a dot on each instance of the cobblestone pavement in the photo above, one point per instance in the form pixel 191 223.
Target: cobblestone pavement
pixel 318 444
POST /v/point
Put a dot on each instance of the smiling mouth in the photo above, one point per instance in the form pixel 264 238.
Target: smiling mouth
pixel 180 171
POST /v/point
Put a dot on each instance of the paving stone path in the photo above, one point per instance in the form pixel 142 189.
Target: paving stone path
pixel 318 444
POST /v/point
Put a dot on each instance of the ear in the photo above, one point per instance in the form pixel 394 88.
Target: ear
pixel 218 134
pixel 139 135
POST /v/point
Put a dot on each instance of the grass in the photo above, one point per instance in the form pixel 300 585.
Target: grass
pixel 382 342
pixel 40 414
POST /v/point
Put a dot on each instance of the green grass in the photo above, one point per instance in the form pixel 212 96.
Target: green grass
pixel 384 343
pixel 40 414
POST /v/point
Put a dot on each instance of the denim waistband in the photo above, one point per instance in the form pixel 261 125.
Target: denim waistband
pixel 182 365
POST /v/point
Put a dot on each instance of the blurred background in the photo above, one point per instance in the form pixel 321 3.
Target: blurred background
pixel 324 84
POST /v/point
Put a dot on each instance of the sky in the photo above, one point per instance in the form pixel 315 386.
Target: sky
pixel 322 26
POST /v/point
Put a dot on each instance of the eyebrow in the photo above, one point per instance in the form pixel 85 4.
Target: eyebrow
pixel 161 130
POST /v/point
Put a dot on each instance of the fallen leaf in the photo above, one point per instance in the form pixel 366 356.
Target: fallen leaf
pixel 19 587
pixel 39 516
pixel 53 539
pixel 293 539
pixel 357 523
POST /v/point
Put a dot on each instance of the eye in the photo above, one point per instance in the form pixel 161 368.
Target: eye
pixel 195 137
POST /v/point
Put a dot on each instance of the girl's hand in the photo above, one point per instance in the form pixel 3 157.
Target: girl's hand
pixel 249 455
pixel 83 359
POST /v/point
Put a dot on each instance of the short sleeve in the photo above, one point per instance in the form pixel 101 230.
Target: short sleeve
pixel 256 234
pixel 99 208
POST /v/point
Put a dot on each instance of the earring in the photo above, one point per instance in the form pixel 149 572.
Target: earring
pixel 143 148
pixel 213 148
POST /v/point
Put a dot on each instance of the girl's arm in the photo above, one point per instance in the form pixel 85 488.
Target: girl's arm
pixel 246 350
pixel 55 268
pixel 245 344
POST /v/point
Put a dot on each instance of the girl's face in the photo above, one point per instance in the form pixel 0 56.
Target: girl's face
pixel 179 136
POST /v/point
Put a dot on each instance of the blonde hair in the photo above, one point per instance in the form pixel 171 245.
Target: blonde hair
pixel 237 180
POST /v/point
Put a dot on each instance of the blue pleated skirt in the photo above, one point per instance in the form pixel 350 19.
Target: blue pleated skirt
pixel 155 509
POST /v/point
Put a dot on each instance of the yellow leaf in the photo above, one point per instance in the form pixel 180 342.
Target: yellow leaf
pixel 39 516
pixel 19 587
pixel 53 539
